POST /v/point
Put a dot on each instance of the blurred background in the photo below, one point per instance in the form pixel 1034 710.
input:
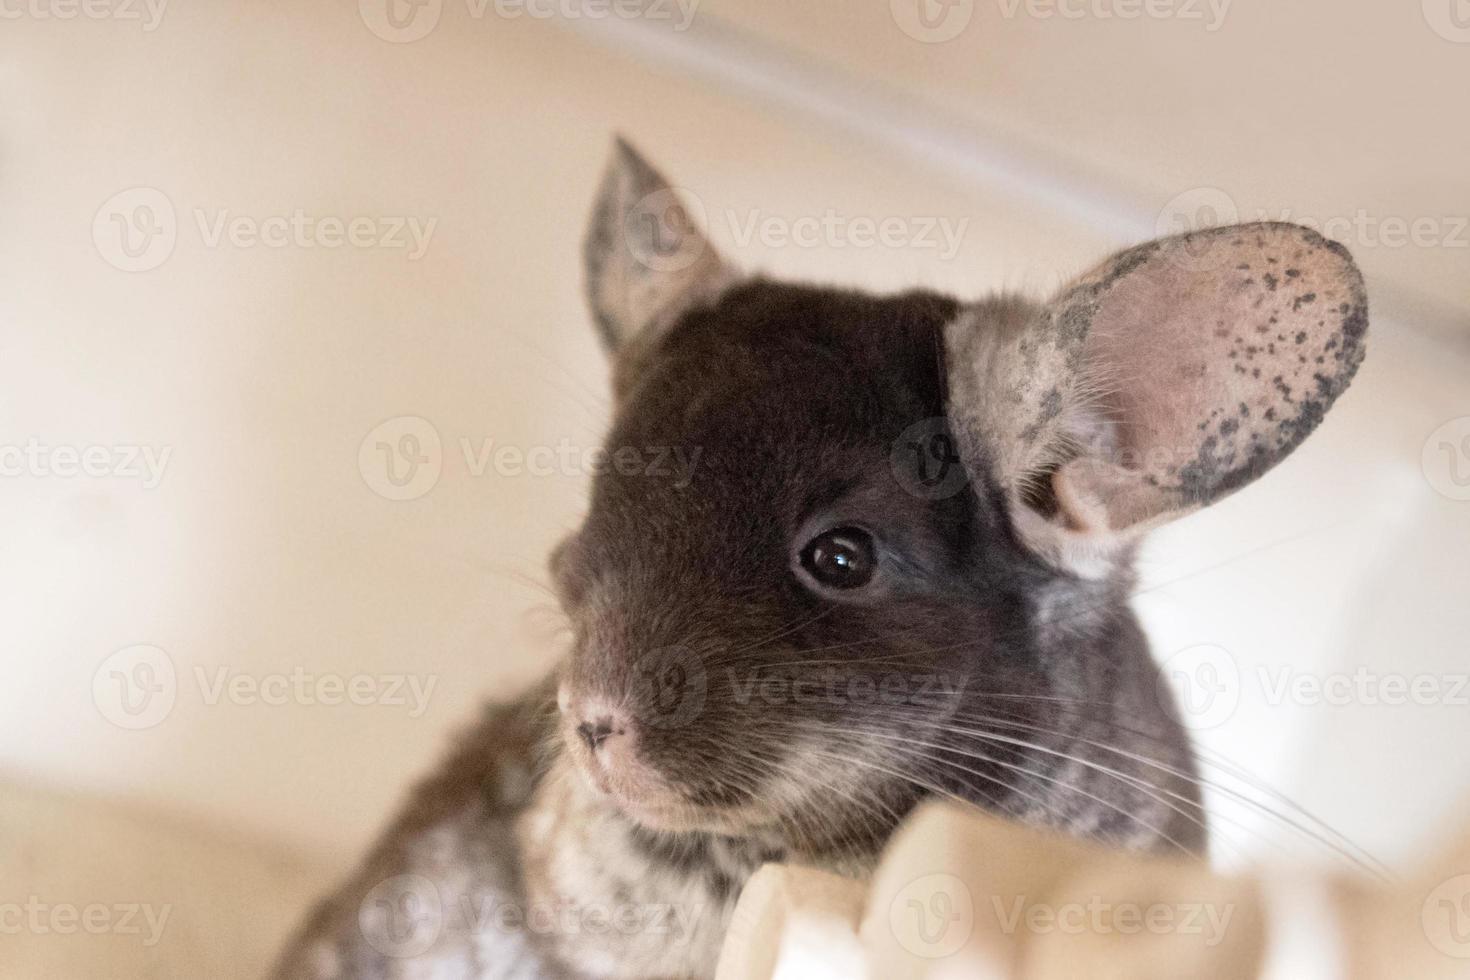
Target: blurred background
pixel 296 380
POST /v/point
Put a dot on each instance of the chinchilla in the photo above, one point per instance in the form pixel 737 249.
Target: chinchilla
pixel 895 565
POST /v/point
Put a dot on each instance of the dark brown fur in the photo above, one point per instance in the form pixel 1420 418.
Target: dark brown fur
pixel 995 658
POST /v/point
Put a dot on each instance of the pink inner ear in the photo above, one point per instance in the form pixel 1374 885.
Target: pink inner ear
pixel 1162 341
pixel 1214 355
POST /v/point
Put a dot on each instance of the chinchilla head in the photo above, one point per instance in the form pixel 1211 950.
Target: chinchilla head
pixel 850 550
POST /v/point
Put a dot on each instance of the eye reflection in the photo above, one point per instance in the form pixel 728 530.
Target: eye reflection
pixel 842 558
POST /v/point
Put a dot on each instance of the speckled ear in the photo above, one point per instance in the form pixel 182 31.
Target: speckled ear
pixel 1171 375
pixel 646 259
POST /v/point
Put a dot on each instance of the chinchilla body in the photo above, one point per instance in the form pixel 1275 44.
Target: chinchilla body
pixel 894 564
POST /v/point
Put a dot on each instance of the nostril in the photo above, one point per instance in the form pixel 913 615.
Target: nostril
pixel 595 733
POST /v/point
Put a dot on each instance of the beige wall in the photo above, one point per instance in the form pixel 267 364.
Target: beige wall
pixel 270 547
pixel 1318 110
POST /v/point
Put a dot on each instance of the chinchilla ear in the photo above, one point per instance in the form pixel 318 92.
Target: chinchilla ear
pixel 646 260
pixel 1171 375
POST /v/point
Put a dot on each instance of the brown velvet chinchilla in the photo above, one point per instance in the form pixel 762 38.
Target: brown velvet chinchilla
pixel 888 557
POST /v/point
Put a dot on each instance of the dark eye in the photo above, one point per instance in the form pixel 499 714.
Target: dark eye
pixel 842 558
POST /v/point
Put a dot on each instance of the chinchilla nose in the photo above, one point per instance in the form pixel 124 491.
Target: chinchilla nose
pixel 594 733
pixel 597 722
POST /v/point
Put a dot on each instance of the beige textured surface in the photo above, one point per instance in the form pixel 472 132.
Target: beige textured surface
pixel 1316 110
pixel 92 890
